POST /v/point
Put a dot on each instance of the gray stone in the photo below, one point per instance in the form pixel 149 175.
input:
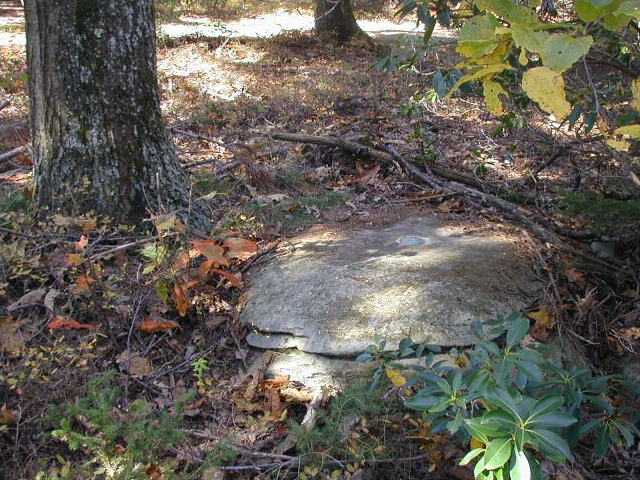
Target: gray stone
pixel 316 371
pixel 335 290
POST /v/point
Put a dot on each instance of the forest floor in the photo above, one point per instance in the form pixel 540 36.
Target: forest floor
pixel 79 299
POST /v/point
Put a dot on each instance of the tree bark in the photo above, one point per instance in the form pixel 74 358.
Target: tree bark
pixel 335 18
pixel 99 142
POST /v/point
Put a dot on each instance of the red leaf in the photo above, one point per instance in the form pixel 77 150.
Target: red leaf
pixel 240 248
pixel 149 325
pixel 209 249
pixel 60 321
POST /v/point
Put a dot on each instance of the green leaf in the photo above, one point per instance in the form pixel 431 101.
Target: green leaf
pixel 601 446
pixel 477 37
pixel 550 444
pixel 591 10
pixel 479 468
pixel 589 427
pixel 531 40
pixel 471 455
pixel 364 357
pixel 635 92
pixel 492 91
pixel 162 289
pixel 561 51
pixel 503 400
pixel 615 22
pixel 530 356
pixel 554 419
pixel 628 437
pixel 457 382
pixel 600 403
pixel 517 331
pixel 423 403
pixel 497 453
pixel 490 347
pixel 520 469
pixel 484 432
pixel 531 370
pixel 546 87
pixel 499 417
pixel 546 404
pixel 631 130
pixel 487 71
pixel 514 14
pixel 454 425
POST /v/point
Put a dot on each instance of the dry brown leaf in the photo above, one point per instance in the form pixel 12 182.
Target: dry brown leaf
pixel 10 339
pixel 240 248
pixel 213 473
pixel 632 333
pixel 182 302
pixel 28 299
pixel 50 299
pixel 8 417
pixel 82 243
pixel 153 471
pixel 134 364
pixel 586 305
pixel 74 260
pixel 150 325
pixel 233 280
pixel 274 404
pixel 278 382
pixel 574 276
pixel 213 252
pixel 82 285
pixel 296 395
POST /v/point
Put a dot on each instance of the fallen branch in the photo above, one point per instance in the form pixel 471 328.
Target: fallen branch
pixel 384 157
pixel 13 153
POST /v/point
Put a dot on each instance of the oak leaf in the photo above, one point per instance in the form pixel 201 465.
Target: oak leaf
pixel 240 248
pixel 213 252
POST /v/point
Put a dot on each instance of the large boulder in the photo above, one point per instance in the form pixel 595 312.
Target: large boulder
pixel 334 290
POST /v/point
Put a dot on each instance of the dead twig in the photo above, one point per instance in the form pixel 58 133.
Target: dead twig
pixel 425 198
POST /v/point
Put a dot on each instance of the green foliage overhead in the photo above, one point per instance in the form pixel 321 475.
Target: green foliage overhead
pixel 502 35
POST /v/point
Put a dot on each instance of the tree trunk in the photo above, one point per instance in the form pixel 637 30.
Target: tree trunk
pixel 335 18
pixel 99 142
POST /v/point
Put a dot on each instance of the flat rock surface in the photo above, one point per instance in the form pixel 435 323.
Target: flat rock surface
pixel 333 291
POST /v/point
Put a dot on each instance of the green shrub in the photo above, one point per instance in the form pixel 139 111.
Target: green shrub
pixel 119 445
pixel 514 402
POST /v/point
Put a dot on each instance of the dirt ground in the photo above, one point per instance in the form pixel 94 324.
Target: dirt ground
pixel 230 77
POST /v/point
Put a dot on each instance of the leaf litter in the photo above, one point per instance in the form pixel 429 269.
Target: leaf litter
pixel 76 303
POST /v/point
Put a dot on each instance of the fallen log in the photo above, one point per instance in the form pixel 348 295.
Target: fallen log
pixel 484 197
